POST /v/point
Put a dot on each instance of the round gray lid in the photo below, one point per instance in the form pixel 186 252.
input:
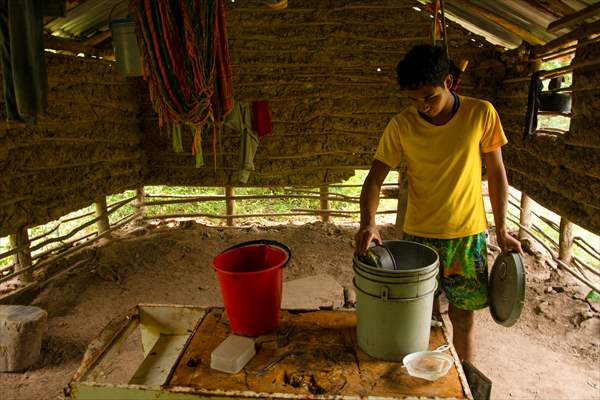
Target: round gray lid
pixel 507 289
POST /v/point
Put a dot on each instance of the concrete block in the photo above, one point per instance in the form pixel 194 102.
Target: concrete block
pixel 312 293
pixel 21 330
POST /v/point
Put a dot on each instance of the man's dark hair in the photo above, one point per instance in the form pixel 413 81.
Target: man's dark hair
pixel 423 65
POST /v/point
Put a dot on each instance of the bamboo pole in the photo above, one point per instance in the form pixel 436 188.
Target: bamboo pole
pixel 402 202
pixel 339 212
pixel 113 207
pixel 525 215
pixel 71 251
pixel 217 216
pixel 103 223
pixel 565 241
pixel 138 204
pixel 588 248
pixel 22 258
pixel 230 204
pixel 561 264
pixel 233 197
pixel 324 202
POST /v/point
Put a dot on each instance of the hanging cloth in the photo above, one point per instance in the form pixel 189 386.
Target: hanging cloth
pixel 184 43
pixel 261 118
pixel 23 60
pixel 240 119
pixel 533 104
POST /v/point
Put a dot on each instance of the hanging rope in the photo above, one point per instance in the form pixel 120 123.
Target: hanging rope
pixel 438 28
pixel 438 32
pixel 184 44
pixel 444 29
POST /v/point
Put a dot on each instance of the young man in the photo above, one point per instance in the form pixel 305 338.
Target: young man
pixel 442 137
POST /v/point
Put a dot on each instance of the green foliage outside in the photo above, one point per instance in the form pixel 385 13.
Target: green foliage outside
pixel 259 206
pixel 269 206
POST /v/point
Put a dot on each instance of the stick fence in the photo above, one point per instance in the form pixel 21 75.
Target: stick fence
pixel 71 243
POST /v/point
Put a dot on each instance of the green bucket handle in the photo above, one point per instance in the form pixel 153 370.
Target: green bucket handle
pixel 384 293
pixel 268 243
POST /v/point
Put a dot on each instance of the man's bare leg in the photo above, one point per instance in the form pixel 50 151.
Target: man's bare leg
pixel 463 334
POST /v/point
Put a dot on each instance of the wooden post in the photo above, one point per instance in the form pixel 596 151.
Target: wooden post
pixel 230 204
pixel 402 200
pixel 103 223
pixel 525 216
pixel 138 204
pixel 22 257
pixel 324 200
pixel 565 241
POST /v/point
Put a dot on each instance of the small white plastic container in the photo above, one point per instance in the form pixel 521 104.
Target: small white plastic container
pixel 232 354
pixel 430 365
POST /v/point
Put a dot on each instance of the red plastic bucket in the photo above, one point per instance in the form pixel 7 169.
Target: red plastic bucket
pixel 251 276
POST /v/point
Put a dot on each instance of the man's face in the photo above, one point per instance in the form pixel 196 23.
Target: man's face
pixel 429 99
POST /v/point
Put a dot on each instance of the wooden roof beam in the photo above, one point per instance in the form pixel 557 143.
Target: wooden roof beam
pixel 73 46
pixel 98 38
pixel 574 18
pixel 583 32
pixel 485 13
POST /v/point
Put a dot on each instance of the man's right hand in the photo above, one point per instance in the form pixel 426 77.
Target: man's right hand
pixel 364 236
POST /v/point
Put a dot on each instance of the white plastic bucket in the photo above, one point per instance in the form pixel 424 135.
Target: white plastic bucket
pixel 127 52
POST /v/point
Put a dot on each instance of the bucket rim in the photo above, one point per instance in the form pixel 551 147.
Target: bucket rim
pixel 283 248
pixel 395 272
pixel 122 21
pixel 383 272
pixel 421 276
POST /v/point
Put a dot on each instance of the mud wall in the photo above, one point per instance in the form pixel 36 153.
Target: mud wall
pixel 86 147
pixel 560 172
pixel 327 68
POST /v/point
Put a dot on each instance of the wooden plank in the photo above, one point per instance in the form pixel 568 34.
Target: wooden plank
pixel 579 16
pixel 320 357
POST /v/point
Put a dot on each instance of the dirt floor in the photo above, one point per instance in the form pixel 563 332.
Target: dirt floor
pixel 553 352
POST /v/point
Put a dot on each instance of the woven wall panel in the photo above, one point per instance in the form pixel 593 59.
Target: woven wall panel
pixel 87 146
pixel 317 64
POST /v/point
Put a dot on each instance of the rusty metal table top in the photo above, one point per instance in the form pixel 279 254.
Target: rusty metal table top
pixel 311 354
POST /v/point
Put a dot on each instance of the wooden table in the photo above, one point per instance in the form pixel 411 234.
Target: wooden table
pixel 318 355
pixel 312 355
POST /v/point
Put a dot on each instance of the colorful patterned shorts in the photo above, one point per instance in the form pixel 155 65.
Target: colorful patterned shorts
pixel 463 269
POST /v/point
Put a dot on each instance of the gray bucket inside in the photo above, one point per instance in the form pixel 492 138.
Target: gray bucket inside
pixel 127 52
pixel 394 307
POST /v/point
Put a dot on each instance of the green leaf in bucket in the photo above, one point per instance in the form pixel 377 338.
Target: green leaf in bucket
pixel 593 296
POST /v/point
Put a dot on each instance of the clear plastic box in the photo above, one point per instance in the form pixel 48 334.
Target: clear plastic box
pixel 232 354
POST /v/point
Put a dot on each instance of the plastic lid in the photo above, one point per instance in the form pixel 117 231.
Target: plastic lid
pixel 379 257
pixel 507 289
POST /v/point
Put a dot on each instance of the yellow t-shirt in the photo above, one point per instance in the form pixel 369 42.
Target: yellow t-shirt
pixel 444 167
